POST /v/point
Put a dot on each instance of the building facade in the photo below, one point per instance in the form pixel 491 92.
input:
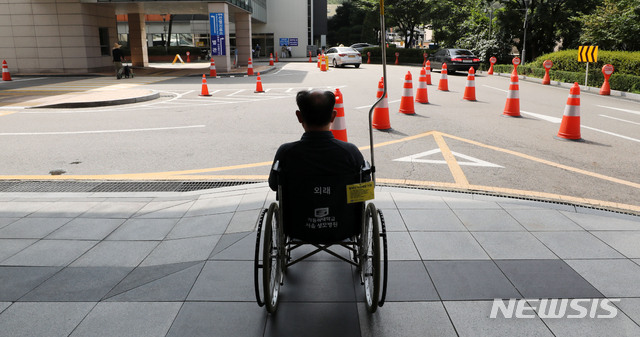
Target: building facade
pixel 76 36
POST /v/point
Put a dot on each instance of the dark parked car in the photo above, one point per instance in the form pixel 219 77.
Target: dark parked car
pixel 361 46
pixel 456 60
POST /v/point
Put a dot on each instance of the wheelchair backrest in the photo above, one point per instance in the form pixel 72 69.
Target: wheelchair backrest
pixel 315 209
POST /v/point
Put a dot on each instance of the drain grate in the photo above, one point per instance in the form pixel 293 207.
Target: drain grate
pixel 115 186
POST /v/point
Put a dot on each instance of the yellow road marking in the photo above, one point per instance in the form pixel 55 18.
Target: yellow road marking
pixel 4 113
pixel 547 162
pixel 454 167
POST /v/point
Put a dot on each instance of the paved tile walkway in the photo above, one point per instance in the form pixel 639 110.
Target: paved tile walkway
pixel 181 264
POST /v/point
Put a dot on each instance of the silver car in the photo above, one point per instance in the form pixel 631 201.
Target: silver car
pixel 341 56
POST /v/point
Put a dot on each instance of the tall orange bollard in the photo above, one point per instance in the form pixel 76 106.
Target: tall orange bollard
pixel 406 101
pixel 427 71
pixel 380 120
pixel 339 125
pixel 6 75
pixel 310 60
pixel 277 58
pixel 368 57
pixel 512 106
pixel 443 85
pixel 515 62
pixel 397 54
pixel 570 125
pixel 547 64
pixel 250 67
pixel 259 84
pixel 205 88
pixel 424 62
pixel 270 59
pixel 493 61
pixel 212 69
pixel 470 88
pixel 607 70
pixel 422 96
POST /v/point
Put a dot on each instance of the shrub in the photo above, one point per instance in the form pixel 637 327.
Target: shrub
pixel 624 62
pixel 406 55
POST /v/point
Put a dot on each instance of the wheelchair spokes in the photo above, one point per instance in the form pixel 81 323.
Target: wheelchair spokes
pixel 370 258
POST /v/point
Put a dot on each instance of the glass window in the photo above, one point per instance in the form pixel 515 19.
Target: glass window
pixel 103 32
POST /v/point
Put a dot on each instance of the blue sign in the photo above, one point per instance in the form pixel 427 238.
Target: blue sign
pixel 218 39
pixel 284 41
pixel 293 41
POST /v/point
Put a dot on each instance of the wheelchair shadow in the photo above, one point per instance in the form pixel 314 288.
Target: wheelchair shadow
pixel 394 131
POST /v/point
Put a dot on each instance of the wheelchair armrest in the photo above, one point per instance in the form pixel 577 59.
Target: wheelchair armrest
pixel 365 171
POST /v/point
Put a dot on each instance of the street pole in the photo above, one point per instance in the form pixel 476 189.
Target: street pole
pixel 383 46
pixel 524 41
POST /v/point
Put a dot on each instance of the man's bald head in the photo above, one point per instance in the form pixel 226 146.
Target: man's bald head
pixel 316 107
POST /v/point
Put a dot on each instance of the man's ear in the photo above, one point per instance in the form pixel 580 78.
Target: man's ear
pixel 299 115
pixel 334 113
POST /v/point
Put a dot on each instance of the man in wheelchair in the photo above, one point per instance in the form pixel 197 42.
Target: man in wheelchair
pixel 313 178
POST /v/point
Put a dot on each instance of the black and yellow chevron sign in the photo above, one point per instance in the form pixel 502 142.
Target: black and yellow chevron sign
pixel 588 54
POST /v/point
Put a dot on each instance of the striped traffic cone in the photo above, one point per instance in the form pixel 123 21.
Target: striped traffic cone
pixel 259 84
pixel 470 88
pixel 212 69
pixel 512 106
pixel 380 120
pixel 339 125
pixel 319 60
pixel 421 93
pixel 270 59
pixel 570 126
pixel 205 89
pixel 324 64
pixel 428 72
pixel 406 102
pixel 250 67
pixel 6 75
pixel 443 85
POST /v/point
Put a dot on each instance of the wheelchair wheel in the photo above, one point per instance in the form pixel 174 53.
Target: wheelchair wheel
pixel 272 258
pixel 370 258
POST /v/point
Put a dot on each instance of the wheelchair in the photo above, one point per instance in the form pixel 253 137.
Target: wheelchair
pixel 314 211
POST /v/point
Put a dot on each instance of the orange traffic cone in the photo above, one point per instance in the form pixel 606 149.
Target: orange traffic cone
pixel 428 72
pixel 250 67
pixel 512 106
pixel 339 126
pixel 270 59
pixel 323 65
pixel 310 60
pixel 259 84
pixel 443 85
pixel 6 75
pixel 406 102
pixel 470 88
pixel 205 89
pixel 570 126
pixel 380 120
pixel 421 93
pixel 319 60
pixel 212 69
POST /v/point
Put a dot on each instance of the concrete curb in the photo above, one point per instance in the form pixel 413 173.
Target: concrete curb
pixel 92 104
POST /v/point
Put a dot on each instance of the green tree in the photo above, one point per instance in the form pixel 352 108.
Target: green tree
pixel 406 15
pixel 548 23
pixel 613 25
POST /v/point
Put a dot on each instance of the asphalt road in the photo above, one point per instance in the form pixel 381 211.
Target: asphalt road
pixel 233 134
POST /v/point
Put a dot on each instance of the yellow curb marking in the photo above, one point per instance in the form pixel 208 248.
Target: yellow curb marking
pixel 461 181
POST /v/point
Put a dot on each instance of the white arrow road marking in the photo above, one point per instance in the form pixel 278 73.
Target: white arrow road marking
pixel 417 158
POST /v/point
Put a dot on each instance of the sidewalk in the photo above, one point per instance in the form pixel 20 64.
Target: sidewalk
pixel 181 264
